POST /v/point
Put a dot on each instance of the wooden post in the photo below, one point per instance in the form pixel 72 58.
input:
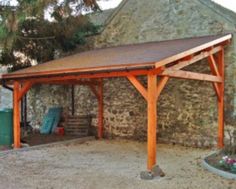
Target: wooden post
pixel 152 120
pixel 100 110
pixel 16 115
pixel 221 100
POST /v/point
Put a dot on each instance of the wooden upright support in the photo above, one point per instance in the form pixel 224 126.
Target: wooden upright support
pixel 151 95
pixel 18 92
pixel 221 100
pixel 16 114
pixel 152 120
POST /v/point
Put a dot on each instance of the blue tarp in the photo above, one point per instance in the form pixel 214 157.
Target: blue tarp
pixel 51 120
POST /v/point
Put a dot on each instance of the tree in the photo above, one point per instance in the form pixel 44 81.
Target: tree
pixel 26 35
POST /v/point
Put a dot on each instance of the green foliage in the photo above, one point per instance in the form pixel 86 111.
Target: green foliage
pixel 3 32
pixel 24 31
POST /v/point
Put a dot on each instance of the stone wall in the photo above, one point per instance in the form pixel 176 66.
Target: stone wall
pixel 187 110
pixel 41 97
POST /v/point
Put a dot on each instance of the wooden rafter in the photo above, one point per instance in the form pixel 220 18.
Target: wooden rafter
pixel 222 41
pixel 195 59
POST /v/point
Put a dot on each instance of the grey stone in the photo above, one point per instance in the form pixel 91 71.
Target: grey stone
pixel 157 171
pixel 146 175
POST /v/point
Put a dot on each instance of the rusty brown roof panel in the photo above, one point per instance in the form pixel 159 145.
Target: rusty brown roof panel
pixel 121 57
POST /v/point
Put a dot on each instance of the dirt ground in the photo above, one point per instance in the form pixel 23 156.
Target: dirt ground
pixel 105 165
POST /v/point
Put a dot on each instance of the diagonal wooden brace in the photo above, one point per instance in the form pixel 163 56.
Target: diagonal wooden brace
pixel 136 83
pixel 24 90
pixel 161 84
pixel 215 71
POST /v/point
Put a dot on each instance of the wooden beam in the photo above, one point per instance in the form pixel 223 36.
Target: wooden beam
pixel 26 86
pixel 70 82
pixel 161 85
pixel 92 75
pixel 152 121
pixel 16 115
pixel 136 83
pixel 192 75
pixel 195 59
pixel 221 101
pixel 100 111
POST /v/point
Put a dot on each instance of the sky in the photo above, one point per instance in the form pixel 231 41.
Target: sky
pixel 230 4
pixel 107 4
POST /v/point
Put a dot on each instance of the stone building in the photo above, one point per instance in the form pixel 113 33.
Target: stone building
pixel 187 110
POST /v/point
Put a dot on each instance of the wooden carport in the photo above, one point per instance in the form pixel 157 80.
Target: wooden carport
pixel 155 59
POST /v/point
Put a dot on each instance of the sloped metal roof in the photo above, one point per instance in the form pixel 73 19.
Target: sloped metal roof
pixel 128 57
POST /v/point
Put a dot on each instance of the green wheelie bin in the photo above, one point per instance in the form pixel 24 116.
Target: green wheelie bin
pixel 6 127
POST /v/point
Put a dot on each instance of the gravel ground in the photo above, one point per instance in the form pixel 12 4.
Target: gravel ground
pixel 105 165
